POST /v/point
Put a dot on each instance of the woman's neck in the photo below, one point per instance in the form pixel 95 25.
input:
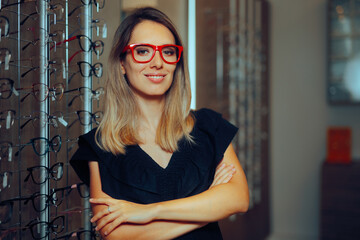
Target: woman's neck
pixel 151 110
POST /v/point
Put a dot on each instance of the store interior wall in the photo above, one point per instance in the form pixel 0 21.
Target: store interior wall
pixel 300 116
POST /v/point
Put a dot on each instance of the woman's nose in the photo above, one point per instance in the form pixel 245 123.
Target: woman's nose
pixel 157 61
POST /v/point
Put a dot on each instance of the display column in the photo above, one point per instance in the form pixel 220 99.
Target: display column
pixel 44 110
pixel 87 104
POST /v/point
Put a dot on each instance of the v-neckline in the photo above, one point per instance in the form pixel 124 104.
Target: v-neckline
pixel 153 161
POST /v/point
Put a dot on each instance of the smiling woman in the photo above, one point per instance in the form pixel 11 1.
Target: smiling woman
pixel 156 169
pixel 146 69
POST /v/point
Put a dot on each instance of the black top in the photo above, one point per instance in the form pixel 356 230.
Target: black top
pixel 136 177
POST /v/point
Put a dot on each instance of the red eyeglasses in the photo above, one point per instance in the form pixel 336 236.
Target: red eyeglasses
pixel 144 53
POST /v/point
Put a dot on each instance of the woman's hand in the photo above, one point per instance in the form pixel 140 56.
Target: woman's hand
pixel 118 212
pixel 223 174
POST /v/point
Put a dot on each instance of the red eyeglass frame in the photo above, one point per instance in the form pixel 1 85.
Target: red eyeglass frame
pixel 157 48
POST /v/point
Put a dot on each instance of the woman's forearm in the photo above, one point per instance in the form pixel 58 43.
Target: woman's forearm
pixel 212 205
pixel 160 230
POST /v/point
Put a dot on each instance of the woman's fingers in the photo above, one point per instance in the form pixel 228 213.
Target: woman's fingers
pixel 106 201
pixel 223 174
pixel 115 212
pixel 109 222
pixel 114 224
pixel 226 175
pixel 105 211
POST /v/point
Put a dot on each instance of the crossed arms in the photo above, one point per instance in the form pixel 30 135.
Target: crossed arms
pixel 169 219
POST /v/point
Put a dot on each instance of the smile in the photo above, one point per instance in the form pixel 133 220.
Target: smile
pixel 155 78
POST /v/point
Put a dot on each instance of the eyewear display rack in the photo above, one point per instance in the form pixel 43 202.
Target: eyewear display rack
pixel 46 102
pixel 232 66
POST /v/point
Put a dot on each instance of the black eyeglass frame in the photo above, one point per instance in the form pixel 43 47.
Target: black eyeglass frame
pixel 49 170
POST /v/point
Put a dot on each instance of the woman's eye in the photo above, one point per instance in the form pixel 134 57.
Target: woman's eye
pixel 142 51
pixel 168 52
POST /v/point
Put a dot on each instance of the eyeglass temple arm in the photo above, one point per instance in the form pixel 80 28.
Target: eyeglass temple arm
pixel 22 99
pixel 11 4
pixel 31 69
pixel 25 123
pixel 72 100
pixel 72 123
pixel 28 176
pixel 72 56
pixel 28 44
pixel 72 90
pixel 66 40
pixel 72 75
pixel 93 46
pixel 27 17
pixel 76 8
pixel 21 148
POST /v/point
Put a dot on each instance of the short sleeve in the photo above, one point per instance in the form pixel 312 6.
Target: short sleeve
pixel 220 131
pixel 84 154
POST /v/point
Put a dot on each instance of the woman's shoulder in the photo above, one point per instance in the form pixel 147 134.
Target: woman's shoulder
pixel 206 118
pixel 205 113
pixel 89 136
pixel 87 142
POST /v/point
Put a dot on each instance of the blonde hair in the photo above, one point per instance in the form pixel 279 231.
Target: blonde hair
pixel 121 113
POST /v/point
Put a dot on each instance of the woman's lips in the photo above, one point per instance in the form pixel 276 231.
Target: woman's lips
pixel 156 78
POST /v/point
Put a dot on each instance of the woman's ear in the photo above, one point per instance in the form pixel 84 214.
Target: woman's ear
pixel 122 67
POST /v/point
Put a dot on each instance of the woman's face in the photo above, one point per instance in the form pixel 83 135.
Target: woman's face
pixel 152 79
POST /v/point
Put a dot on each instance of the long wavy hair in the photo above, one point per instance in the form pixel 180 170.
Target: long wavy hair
pixel 120 122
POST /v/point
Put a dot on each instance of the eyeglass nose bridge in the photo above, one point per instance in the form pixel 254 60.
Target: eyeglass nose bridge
pixel 157 49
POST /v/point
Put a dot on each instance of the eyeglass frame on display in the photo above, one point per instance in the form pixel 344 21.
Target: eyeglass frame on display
pixel 92 45
pixel 53 89
pixel 51 119
pixel 69 190
pixel 93 117
pixel 97 93
pixel 49 170
pixel 49 145
pixel 92 70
